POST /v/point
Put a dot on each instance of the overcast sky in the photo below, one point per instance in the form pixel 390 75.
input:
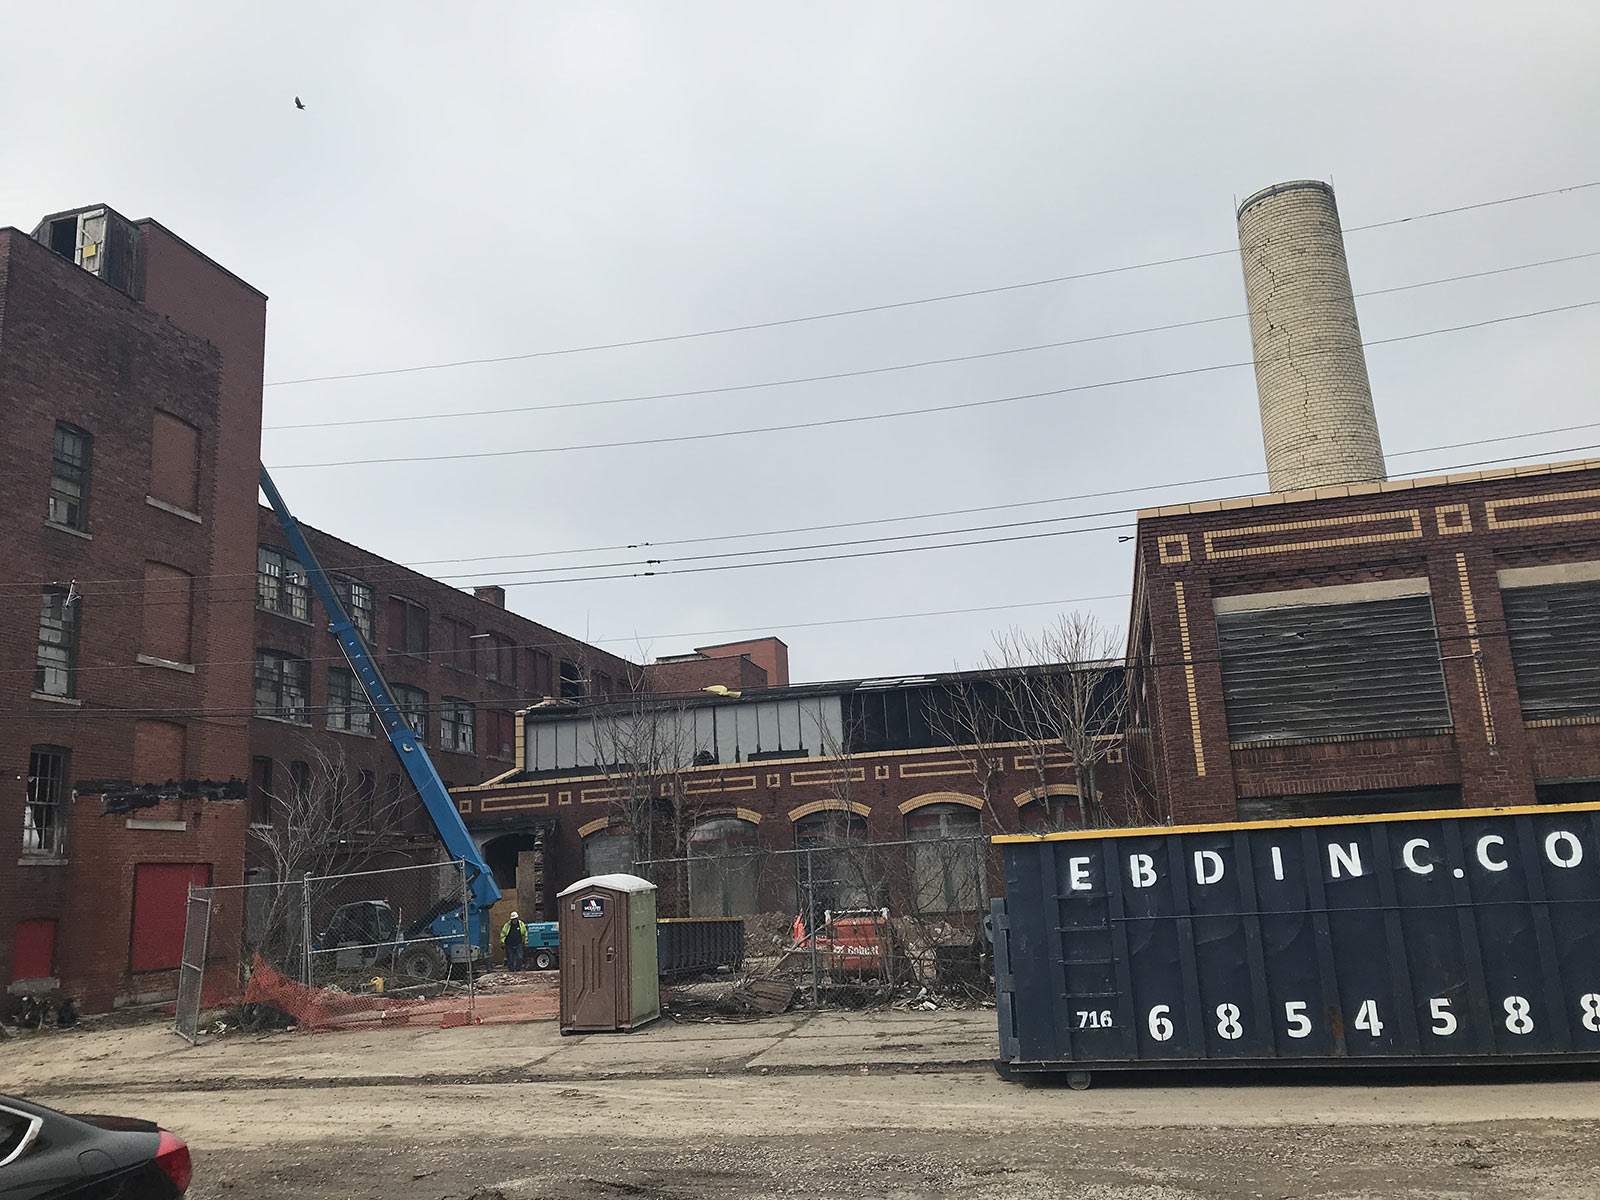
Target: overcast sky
pixel 491 180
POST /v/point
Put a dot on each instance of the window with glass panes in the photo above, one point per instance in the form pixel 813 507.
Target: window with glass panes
pixel 358 603
pixel 348 709
pixel 457 726
pixel 413 705
pixel 281 585
pixel 69 477
pixel 55 669
pixel 282 686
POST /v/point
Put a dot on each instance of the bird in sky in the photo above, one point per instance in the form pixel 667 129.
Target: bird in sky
pixel 299 103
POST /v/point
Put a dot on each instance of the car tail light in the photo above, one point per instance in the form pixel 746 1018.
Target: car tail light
pixel 172 1156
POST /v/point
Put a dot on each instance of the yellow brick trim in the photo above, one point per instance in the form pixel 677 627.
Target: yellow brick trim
pixel 594 826
pixel 1496 521
pixel 830 805
pixel 940 798
pixel 1039 793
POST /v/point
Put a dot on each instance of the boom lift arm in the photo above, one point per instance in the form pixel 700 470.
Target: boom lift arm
pixel 407 747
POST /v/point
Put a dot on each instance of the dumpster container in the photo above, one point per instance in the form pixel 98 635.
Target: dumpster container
pixel 608 954
pixel 1458 936
pixel 693 945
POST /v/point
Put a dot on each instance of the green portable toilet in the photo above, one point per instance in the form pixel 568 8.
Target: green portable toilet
pixel 609 977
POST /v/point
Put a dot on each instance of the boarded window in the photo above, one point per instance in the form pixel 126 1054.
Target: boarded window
pixel 501 734
pixel 55 671
pixel 944 861
pixel 175 462
pixel 33 952
pixel 160 906
pixel 724 868
pixel 456 644
pixel 1305 671
pixel 542 671
pixel 499 658
pixel 608 852
pixel 158 751
pixel 408 626
pixel 261 791
pixel 168 612
pixel 1555 648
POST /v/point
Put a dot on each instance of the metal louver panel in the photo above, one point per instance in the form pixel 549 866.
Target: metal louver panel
pixel 1330 670
pixel 1555 648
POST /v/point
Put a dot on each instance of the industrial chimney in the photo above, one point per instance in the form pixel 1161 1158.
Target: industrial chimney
pixel 1311 375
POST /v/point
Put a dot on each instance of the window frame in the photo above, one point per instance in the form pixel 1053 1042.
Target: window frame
pixel 290 589
pixel 411 703
pixel 72 474
pixel 62 641
pixel 280 684
pixel 451 725
pixel 49 843
pixel 364 617
pixel 400 639
pixel 937 841
pixel 499 651
pixel 355 714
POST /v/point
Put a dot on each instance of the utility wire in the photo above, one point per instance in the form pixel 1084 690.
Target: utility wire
pixel 867 371
pixel 900 304
pixel 791 427
pixel 399 572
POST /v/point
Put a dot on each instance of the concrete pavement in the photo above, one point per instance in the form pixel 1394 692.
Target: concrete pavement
pixel 151 1057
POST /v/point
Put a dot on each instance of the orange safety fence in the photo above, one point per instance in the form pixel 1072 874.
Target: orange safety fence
pixel 334 1008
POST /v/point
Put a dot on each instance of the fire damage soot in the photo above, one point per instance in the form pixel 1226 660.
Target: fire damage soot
pixel 1443 937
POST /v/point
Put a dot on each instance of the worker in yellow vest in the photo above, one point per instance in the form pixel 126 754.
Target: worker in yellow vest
pixel 514 937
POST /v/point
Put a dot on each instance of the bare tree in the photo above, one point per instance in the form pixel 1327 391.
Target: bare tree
pixel 1059 694
pixel 643 745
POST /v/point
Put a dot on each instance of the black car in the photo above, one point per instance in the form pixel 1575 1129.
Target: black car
pixel 49 1155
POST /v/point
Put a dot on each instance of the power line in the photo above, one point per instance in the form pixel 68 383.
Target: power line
pixel 898 304
pixel 671 439
pixel 868 371
pixel 400 572
pixel 1402 633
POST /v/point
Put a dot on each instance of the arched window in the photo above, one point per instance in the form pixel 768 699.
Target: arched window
pixel 608 852
pixel 837 873
pixel 945 859
pixel 724 868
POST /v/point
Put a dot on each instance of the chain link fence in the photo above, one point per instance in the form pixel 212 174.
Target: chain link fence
pixel 844 922
pixel 389 945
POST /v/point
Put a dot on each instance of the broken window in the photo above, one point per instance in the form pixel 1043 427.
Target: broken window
pixel 69 477
pixel 944 861
pixel 366 801
pixel 281 584
pixel 457 726
pixel 55 671
pixel 261 791
pixel 571 681
pixel 44 818
pixel 358 606
pixel 412 703
pixel 838 871
pixel 724 868
pixel 348 709
pixel 282 686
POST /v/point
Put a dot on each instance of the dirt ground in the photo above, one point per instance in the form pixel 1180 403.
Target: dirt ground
pixel 858 1106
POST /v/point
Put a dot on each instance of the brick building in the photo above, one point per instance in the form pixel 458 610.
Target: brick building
pixel 739 782
pixel 130 380
pixel 1415 643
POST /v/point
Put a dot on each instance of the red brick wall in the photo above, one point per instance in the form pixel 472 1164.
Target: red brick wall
pixel 1430 528
pixel 769 653
pixel 73 348
pixel 695 674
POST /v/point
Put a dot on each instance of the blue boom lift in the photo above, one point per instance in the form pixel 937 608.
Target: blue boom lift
pixel 446 926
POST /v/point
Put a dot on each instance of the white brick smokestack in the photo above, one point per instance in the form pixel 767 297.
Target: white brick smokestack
pixel 1317 419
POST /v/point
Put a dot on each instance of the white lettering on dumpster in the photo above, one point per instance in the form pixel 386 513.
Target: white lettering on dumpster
pixel 1078 874
pixel 1346 857
pixel 1408 855
pixel 1560 838
pixel 1207 866
pixel 1491 864
pixel 1141 870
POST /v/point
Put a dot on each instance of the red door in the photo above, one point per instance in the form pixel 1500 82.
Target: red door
pixel 160 907
pixel 33 952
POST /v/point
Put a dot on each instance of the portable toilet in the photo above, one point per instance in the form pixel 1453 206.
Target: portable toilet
pixel 609 976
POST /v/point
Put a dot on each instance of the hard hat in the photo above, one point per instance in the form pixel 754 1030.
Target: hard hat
pixel 514 916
